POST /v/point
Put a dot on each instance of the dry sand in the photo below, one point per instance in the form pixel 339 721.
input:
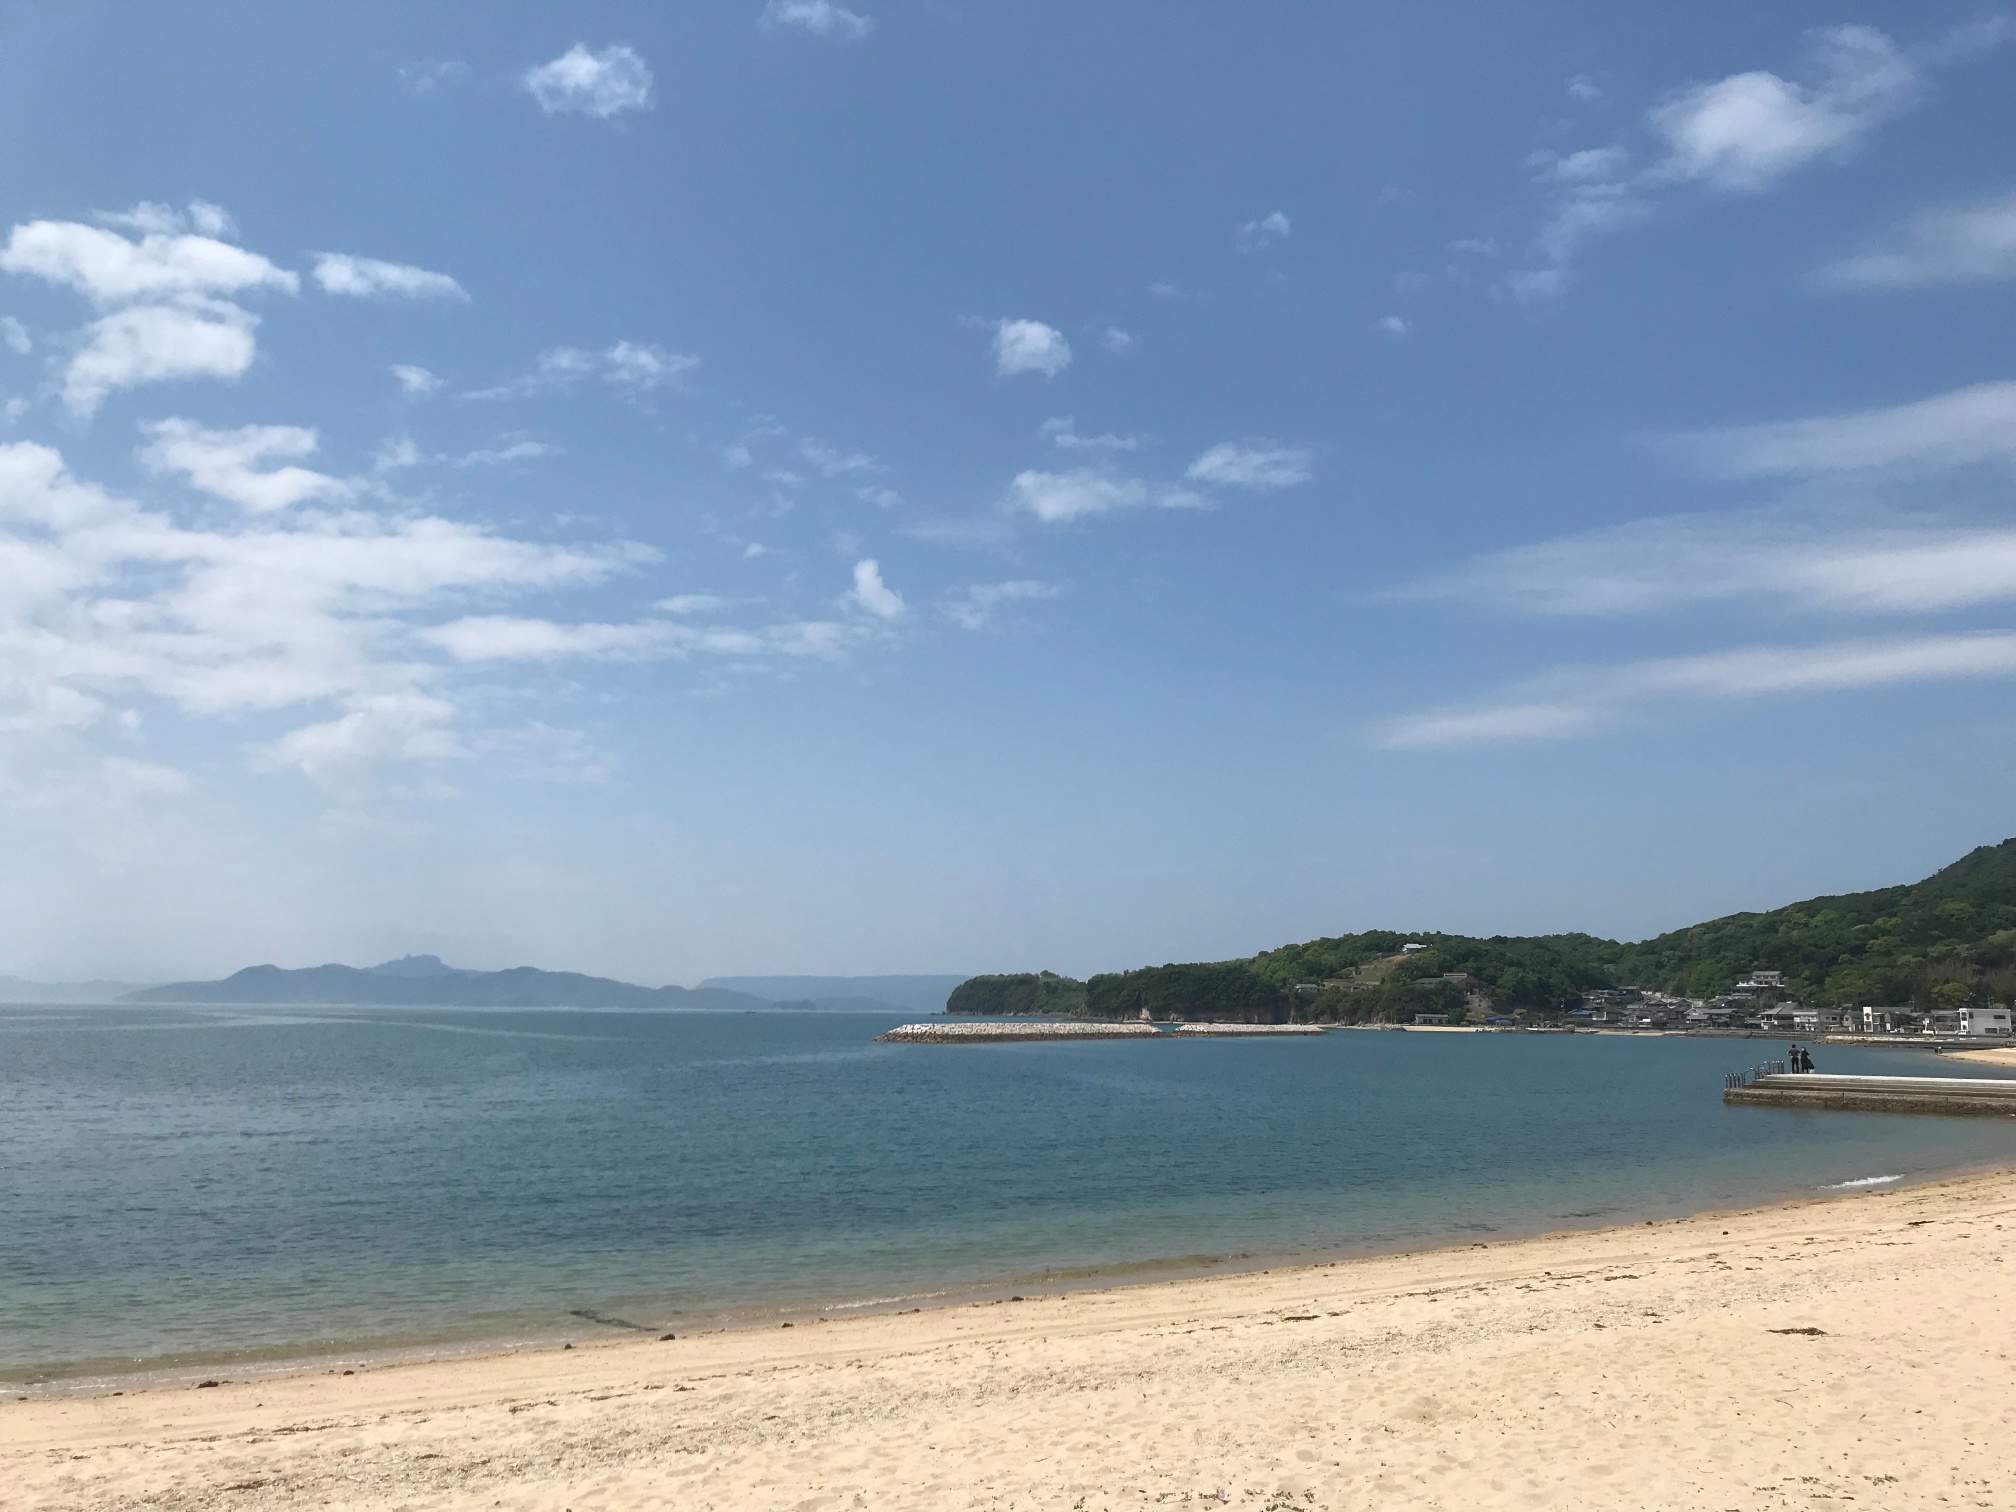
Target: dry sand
pixel 1860 1348
pixel 2002 1056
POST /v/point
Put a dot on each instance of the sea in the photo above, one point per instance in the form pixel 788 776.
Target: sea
pixel 189 1190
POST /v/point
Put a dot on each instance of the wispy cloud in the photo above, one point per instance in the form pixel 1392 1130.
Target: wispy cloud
pixel 1783 561
pixel 601 84
pixel 415 381
pixel 980 606
pixel 276 607
pixel 367 277
pixel 822 18
pixel 1743 133
pixel 1059 497
pixel 1951 244
pixel 228 463
pixel 1253 464
pixel 632 366
pixel 1062 433
pixel 1957 429
pixel 1258 235
pixel 1577 702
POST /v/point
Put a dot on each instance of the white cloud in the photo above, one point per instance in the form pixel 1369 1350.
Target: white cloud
pixel 1394 326
pixel 977 607
pixel 1062 433
pixel 832 462
pixel 1957 429
pixel 415 381
pixel 1072 495
pixel 1252 464
pixel 202 217
pixel 1801 563
pixel 640 365
pixel 695 603
pixel 103 599
pixel 1029 346
pixel 872 594
pixel 498 456
pixel 168 319
pixel 1591 165
pixel 1972 243
pixel 367 277
pixel 820 17
pixel 1582 701
pixel 1747 131
pixel 629 365
pixel 109 269
pixel 1582 87
pixel 1256 234
pixel 1743 133
pixel 600 84
pixel 504 638
pixel 377 728
pixel 16 336
pixel 1116 341
pixel 497 637
pixel 156 344
pixel 226 463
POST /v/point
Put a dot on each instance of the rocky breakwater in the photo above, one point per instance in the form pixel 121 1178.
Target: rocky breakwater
pixel 1242 1030
pixel 980 1034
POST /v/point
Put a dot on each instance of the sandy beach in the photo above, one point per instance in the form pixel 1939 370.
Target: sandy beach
pixel 1861 1347
pixel 2004 1055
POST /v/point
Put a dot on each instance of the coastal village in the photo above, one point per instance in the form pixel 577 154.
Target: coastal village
pixel 1756 1003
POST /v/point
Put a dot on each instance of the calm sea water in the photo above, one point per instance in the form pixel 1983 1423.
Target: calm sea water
pixel 181 1187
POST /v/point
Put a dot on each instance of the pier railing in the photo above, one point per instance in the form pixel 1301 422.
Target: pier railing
pixel 1748 1078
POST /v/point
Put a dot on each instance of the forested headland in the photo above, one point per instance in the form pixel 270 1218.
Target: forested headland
pixel 1947 941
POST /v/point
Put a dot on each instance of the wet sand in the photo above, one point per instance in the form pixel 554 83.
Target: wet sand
pixel 1859 1347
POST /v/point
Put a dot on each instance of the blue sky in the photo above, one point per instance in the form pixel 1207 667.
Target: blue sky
pixel 943 486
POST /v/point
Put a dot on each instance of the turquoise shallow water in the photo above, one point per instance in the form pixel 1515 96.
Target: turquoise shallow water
pixel 186 1186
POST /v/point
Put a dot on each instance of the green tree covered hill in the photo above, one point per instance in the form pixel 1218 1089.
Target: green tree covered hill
pixel 1946 940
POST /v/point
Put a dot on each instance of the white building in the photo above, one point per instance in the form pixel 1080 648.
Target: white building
pixel 1757 981
pixel 1985 1021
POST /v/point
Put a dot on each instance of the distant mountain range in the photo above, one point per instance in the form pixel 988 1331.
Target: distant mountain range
pixel 20 990
pixel 428 981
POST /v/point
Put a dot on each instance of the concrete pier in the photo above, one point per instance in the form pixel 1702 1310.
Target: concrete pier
pixel 1980 1096
pixel 1230 1031
pixel 994 1033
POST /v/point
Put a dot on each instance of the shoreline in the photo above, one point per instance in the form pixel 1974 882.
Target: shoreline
pixel 251 1366
pixel 1746 1358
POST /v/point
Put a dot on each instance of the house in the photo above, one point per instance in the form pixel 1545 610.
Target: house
pixel 1992 1022
pixel 1412 949
pixel 1308 989
pixel 1791 1018
pixel 1431 1018
pixel 1883 1020
pixel 1758 981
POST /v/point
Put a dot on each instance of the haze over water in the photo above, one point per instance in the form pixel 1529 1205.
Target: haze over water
pixel 189 1186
